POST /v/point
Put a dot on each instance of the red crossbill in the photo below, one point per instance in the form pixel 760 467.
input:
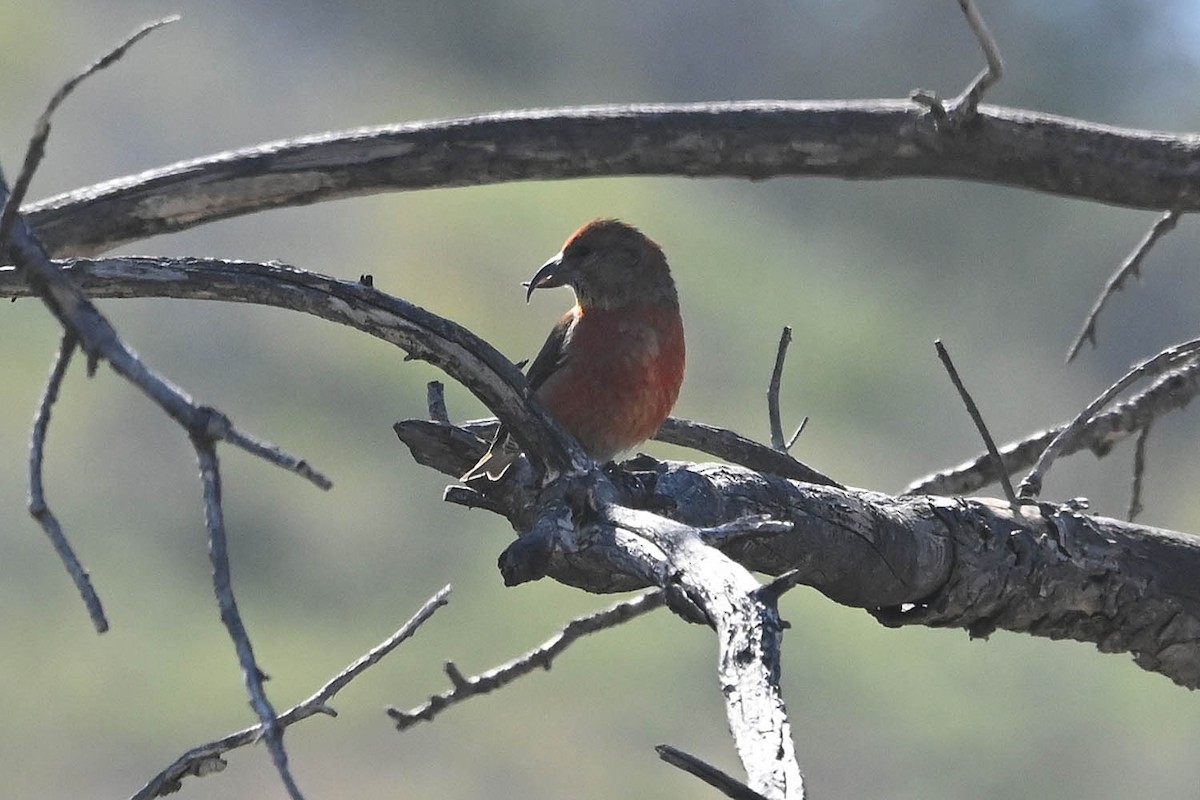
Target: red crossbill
pixel 611 368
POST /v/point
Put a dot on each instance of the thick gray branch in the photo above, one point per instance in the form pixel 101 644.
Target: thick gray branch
pixel 749 640
pixel 944 562
pixel 865 139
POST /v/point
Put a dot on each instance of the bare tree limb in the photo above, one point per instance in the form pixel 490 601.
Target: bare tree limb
pixel 1139 470
pixel 384 317
pixel 773 418
pixel 965 106
pixel 38 507
pixel 1174 356
pixel 473 362
pixel 208 758
pixel 435 394
pixel 733 447
pixel 1131 266
pixel 977 418
pixel 749 640
pixel 876 139
pixel 722 782
pixel 856 547
pixel 541 657
pixel 1171 392
pixel 214 518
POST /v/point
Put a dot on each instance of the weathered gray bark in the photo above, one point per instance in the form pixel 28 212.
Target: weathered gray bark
pixel 864 139
pixel 972 563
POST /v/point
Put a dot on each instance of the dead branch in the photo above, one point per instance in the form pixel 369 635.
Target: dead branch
pixel 1171 392
pixel 208 758
pixel 1139 471
pixel 1130 267
pixel 875 139
pixel 726 784
pixel 773 417
pixel 84 326
pixel 966 105
pixel 214 519
pixel 749 636
pixel 541 657
pixel 1173 357
pixel 39 509
pixel 977 418
pixel 944 562
pixel 860 548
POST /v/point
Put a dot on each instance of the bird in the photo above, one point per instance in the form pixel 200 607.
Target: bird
pixel 611 369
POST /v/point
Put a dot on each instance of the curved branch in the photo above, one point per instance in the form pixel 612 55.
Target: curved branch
pixel 429 337
pixel 874 139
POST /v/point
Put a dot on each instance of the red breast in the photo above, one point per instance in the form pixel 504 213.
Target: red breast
pixel 621 377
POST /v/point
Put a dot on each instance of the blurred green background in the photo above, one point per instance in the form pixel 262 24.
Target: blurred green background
pixel 867 273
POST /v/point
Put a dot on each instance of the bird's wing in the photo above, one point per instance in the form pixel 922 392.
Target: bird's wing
pixel 553 353
pixel 504 450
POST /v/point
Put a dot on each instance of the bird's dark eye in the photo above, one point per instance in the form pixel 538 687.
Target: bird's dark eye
pixel 581 251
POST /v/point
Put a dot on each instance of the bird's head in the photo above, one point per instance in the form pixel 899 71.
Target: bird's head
pixel 609 264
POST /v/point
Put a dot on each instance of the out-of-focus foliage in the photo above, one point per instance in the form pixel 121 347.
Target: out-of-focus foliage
pixel 867 274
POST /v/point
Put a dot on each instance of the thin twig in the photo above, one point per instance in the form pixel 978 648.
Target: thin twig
pixel 1131 266
pixel 777 440
pixel 272 732
pixel 799 430
pixel 435 397
pixel 207 758
pixel 41 132
pixel 977 418
pixel 1171 357
pixel 723 782
pixel 737 449
pixel 272 454
pixel 1170 392
pixel 38 507
pixel 963 108
pixel 1139 470
pixel 541 656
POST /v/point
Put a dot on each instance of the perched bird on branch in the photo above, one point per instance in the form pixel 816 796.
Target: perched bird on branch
pixel 611 368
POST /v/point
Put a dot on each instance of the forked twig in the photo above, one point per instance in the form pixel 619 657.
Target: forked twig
pixel 1131 266
pixel 977 418
pixel 1170 392
pixel 1171 357
pixel 207 758
pixel 541 656
pixel 38 508
pixel 86 326
pixel 41 131
pixel 965 107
